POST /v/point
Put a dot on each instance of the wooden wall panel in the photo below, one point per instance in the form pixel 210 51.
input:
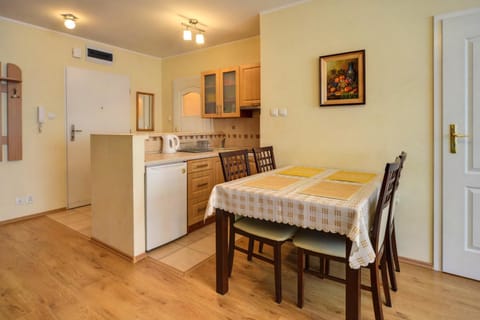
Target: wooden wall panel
pixel 14 112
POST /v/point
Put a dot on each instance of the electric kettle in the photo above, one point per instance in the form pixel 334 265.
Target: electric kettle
pixel 170 143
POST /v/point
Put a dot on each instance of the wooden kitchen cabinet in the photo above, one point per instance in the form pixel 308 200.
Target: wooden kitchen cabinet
pixel 253 167
pixel 202 176
pixel 220 93
pixel 250 85
pixel 218 171
pixel 200 181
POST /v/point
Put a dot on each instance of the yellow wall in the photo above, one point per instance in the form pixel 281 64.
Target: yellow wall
pixel 192 64
pixel 43 55
pixel 398 115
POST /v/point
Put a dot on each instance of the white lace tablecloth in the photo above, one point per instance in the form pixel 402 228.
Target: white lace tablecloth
pixel 347 217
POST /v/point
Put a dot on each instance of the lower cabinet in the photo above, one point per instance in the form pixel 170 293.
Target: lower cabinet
pixel 200 181
pixel 218 170
pixel 253 167
pixel 203 175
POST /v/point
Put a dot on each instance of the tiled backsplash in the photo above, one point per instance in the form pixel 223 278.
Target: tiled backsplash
pixel 237 132
pixel 240 132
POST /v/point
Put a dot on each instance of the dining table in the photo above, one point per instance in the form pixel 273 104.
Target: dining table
pixel 325 199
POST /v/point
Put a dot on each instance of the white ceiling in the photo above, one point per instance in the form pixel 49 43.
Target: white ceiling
pixel 152 27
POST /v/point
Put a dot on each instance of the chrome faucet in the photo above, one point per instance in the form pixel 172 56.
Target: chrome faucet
pixel 222 143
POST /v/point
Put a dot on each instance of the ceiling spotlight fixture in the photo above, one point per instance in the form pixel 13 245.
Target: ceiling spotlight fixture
pixel 69 20
pixel 187 32
pixel 199 38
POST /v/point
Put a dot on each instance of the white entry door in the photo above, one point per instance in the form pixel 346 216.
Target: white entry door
pixel 96 102
pixel 461 170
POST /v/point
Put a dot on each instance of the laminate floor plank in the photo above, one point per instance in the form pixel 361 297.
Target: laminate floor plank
pixel 48 271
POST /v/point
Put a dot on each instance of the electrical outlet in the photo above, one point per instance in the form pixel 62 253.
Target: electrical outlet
pixel 18 201
pixel 29 199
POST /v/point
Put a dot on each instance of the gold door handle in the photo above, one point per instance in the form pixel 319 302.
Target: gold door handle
pixel 453 138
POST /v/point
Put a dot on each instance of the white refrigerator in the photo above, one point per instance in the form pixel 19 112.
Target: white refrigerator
pixel 166 203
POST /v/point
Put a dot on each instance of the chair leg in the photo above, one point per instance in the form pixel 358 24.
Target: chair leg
pixel 394 249
pixel 260 247
pixel 390 258
pixel 250 249
pixel 383 270
pixel 390 264
pixel 321 268
pixel 377 306
pixel 277 258
pixel 300 287
pixel 326 267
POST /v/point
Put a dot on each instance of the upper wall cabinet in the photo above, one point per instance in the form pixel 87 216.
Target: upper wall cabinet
pixel 220 93
pixel 250 85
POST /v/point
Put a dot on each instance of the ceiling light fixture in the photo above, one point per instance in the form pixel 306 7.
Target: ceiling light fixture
pixel 187 32
pixel 200 38
pixel 69 20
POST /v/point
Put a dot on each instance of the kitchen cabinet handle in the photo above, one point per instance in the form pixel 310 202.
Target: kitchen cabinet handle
pixel 201 165
pixel 201 209
pixel 202 185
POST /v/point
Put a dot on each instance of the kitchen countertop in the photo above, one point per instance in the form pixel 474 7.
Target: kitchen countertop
pixel 153 159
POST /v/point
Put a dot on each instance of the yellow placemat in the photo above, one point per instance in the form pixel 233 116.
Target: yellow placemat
pixel 302 172
pixel 271 182
pixel 351 176
pixel 335 190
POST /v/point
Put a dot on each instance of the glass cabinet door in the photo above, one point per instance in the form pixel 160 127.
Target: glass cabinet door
pixel 230 97
pixel 210 94
pixel 220 93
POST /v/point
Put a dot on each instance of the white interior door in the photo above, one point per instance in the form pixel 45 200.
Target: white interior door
pixel 96 102
pixel 187 113
pixel 461 170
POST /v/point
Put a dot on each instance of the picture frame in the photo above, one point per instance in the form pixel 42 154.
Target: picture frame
pixel 342 79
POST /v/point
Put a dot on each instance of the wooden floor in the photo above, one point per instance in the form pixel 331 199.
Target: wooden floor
pixel 48 271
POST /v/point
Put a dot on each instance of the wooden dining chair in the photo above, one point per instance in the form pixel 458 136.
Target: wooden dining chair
pixel 264 159
pixel 391 242
pixel 235 165
pixel 334 246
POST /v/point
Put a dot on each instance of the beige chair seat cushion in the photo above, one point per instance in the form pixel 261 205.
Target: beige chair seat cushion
pixel 266 229
pixel 321 242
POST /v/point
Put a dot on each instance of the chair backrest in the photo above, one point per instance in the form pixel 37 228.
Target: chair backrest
pixel 264 159
pixel 235 164
pixel 402 157
pixel 382 219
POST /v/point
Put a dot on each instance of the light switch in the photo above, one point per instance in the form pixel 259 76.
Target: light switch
pixel 274 112
pixel 282 112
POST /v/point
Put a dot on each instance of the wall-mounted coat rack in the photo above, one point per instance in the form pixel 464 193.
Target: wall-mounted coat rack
pixel 12 86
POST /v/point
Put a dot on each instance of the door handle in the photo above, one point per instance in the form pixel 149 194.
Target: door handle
pixel 453 138
pixel 72 132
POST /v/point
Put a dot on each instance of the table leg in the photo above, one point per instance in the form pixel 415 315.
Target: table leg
pixel 221 241
pixel 353 294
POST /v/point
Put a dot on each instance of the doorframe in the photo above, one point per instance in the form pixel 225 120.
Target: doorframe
pixel 437 132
